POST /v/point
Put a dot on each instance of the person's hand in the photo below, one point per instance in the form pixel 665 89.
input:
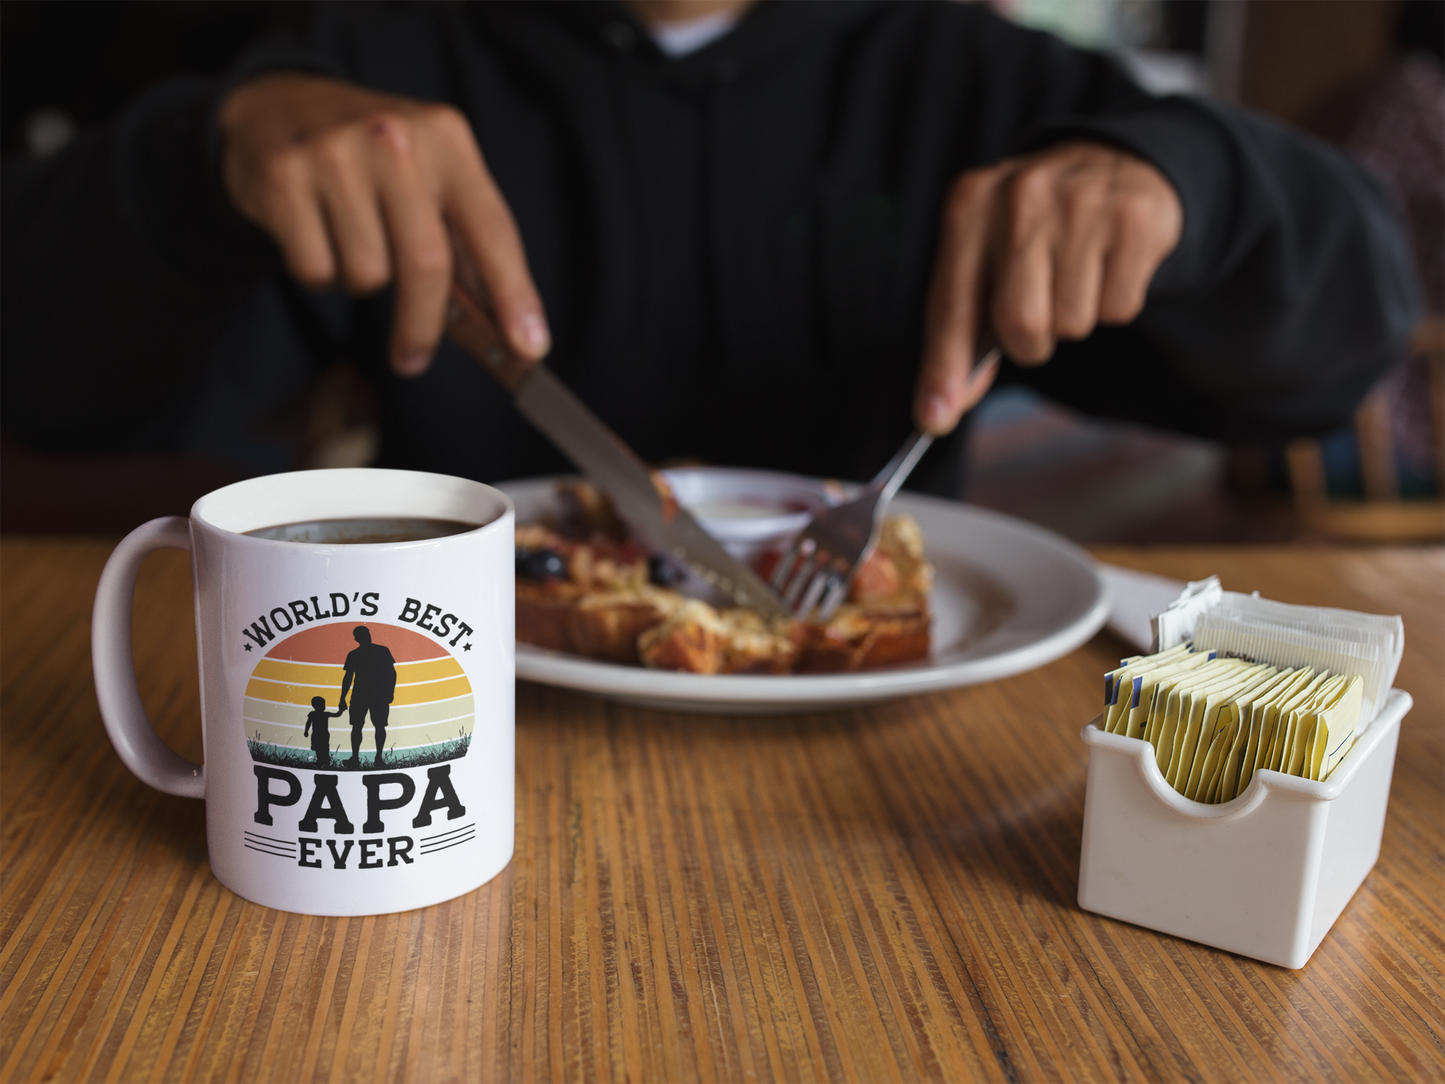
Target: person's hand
pixel 341 705
pixel 1038 249
pixel 371 189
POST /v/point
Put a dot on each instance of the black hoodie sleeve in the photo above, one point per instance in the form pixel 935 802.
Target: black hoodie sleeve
pixel 1292 288
pixel 1291 291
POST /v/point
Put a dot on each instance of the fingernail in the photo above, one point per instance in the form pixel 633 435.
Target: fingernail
pixel 935 411
pixel 411 364
pixel 534 333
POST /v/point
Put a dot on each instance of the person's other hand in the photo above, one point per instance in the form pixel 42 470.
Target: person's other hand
pixel 371 189
pixel 1038 249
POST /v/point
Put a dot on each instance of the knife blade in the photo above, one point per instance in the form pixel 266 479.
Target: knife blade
pixel 605 458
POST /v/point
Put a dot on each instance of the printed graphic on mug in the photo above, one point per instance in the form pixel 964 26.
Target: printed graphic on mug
pixel 358 697
pixel 403 709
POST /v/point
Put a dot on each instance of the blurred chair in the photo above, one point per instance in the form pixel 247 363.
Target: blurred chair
pixel 1393 122
pixel 1382 516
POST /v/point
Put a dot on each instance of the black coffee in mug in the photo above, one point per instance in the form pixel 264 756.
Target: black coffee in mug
pixel 363 531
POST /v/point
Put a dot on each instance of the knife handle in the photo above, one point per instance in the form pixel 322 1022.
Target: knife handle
pixel 472 327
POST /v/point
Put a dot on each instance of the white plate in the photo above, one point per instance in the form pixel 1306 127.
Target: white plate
pixel 1007 597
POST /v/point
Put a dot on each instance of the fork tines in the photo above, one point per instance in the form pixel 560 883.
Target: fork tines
pixel 812 578
pixel 809 575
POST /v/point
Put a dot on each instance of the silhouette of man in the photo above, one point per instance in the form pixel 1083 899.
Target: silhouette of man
pixel 371 678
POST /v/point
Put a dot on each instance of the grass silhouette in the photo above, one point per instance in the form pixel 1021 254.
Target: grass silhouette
pixel 291 757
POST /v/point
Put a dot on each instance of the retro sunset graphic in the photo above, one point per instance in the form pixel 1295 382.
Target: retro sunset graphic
pixel 358 697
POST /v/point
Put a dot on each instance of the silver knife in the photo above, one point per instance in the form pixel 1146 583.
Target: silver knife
pixel 603 456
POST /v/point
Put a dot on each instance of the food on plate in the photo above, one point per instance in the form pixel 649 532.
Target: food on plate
pixel 585 587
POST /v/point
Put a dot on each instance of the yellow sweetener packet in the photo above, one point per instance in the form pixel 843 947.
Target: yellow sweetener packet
pixel 1264 719
pixel 1337 724
pixel 1121 686
pixel 1225 785
pixel 1246 712
pixel 1289 715
pixel 1222 713
pixel 1136 723
pixel 1200 731
pixel 1192 700
pixel 1170 699
pixel 1303 718
pixel 1211 766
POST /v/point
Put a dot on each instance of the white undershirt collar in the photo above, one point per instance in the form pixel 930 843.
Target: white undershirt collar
pixel 681 38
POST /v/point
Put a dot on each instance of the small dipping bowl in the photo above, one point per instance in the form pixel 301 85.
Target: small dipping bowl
pixel 750 511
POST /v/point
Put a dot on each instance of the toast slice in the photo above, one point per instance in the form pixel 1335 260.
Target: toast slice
pixel 599 601
pixel 598 605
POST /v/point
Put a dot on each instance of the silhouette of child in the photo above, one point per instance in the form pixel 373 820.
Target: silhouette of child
pixel 316 727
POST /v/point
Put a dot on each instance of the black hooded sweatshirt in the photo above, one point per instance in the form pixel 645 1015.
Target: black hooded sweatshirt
pixel 732 247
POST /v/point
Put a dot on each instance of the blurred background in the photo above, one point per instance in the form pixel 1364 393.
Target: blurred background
pixel 1366 75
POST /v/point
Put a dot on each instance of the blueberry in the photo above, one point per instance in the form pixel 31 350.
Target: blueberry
pixel 541 565
pixel 664 573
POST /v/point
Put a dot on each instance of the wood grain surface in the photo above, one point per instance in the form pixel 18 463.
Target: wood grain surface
pixel 886 893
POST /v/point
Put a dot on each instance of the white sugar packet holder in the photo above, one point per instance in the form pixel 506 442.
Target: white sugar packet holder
pixel 1266 874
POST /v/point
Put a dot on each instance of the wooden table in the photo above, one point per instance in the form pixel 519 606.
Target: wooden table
pixel 875 894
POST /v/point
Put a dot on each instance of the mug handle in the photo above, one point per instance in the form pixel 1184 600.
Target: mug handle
pixel 130 729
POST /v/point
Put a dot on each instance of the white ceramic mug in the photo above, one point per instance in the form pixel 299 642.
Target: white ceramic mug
pixel 407 797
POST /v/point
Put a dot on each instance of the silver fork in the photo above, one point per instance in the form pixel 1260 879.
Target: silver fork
pixel 813 577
